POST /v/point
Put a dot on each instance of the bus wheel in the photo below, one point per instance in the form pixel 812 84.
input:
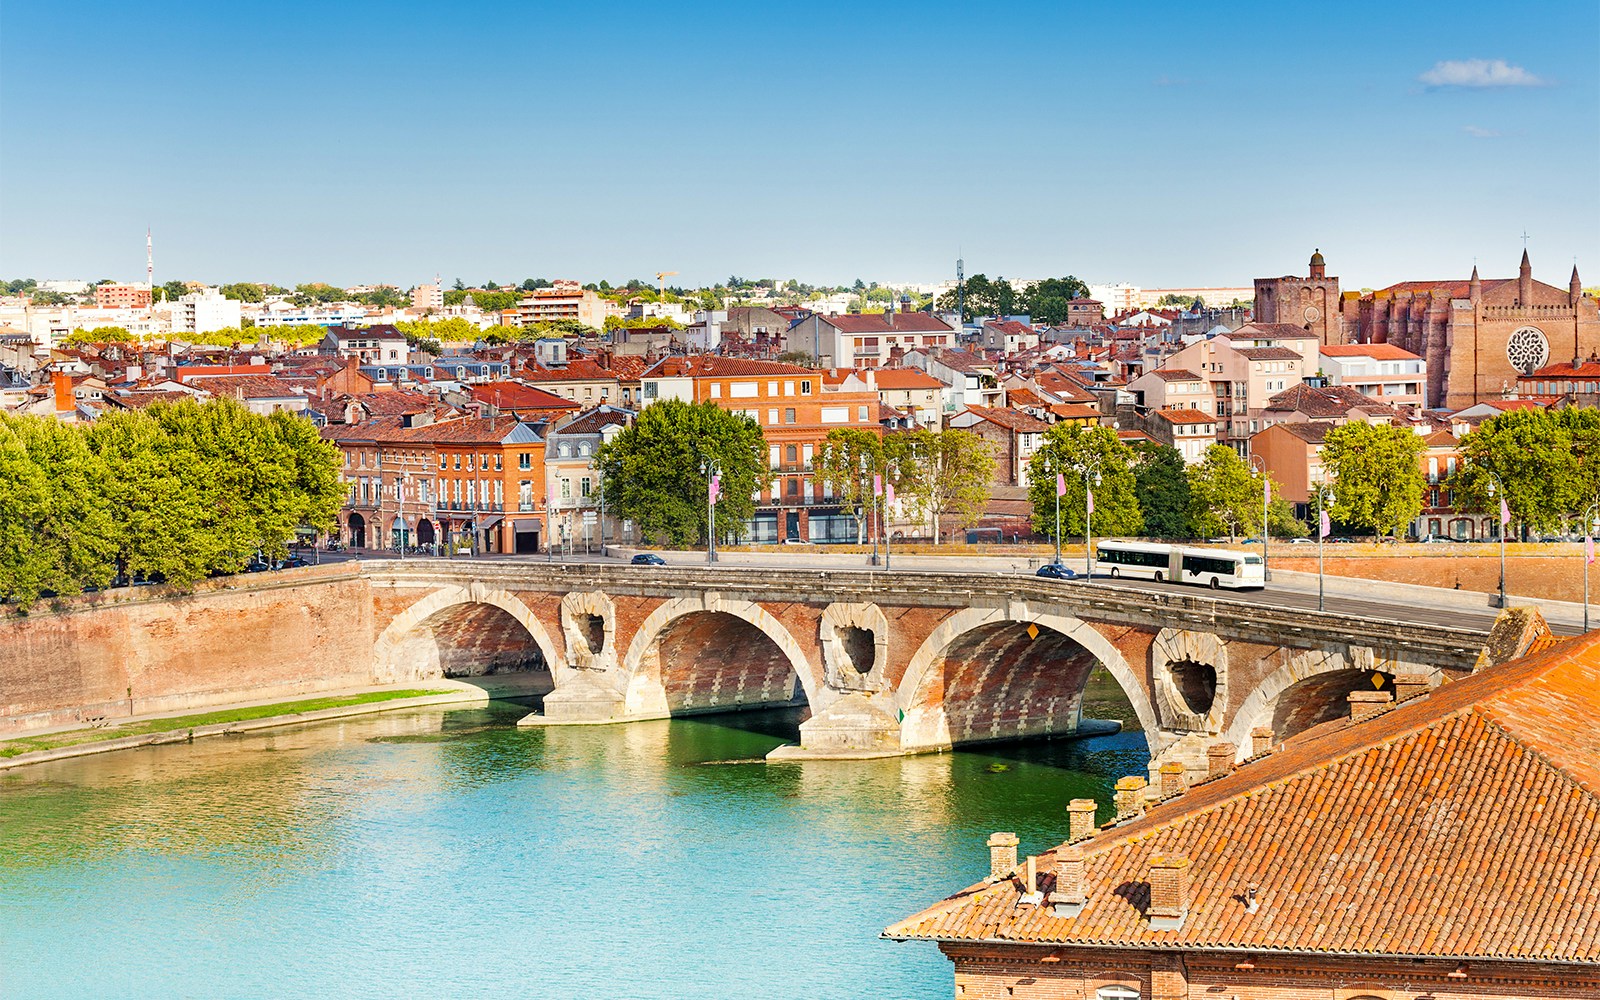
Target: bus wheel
pixel 1114 572
pixel 1158 576
pixel 1215 583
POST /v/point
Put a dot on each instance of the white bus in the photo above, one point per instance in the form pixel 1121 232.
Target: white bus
pixel 1212 568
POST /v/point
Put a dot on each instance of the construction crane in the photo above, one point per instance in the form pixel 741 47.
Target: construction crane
pixel 661 282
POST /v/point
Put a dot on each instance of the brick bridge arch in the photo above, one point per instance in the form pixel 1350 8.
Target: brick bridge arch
pixel 710 624
pixel 929 720
pixel 410 648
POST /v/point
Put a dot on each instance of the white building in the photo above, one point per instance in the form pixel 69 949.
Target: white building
pixel 1118 298
pixel 1382 371
pixel 204 311
pixel 426 297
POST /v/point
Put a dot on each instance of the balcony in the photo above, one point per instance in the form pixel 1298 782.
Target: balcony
pixel 465 506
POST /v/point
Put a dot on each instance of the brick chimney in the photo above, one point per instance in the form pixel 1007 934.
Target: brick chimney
pixel 1172 774
pixel 1220 759
pixel 61 384
pixel 1002 855
pixel 1030 881
pixel 1408 686
pixel 1366 704
pixel 1080 819
pixel 1260 740
pixel 1069 896
pixel 1169 891
pixel 1130 796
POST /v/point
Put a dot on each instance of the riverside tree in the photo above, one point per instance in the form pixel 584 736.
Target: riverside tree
pixel 941 475
pixel 1162 484
pixel 173 491
pixel 847 460
pixel 657 472
pixel 1547 462
pixel 1377 475
pixel 1070 450
pixel 1224 496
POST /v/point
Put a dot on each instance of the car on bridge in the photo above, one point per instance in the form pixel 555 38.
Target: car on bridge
pixel 1058 571
pixel 648 559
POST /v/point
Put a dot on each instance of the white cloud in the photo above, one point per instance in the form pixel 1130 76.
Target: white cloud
pixel 1479 132
pixel 1479 73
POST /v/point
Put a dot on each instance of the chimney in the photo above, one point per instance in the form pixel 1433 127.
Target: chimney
pixel 61 383
pixel 1080 819
pixel 1130 796
pixel 1251 904
pixel 1169 891
pixel 1260 740
pixel 1365 704
pixel 1171 779
pixel 1002 855
pixel 1030 882
pixel 1408 686
pixel 1220 759
pixel 1068 896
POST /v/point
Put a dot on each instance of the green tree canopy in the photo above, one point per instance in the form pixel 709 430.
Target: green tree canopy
pixel 1163 487
pixel 244 291
pixel 655 471
pixel 847 460
pixel 941 475
pixel 1077 452
pixel 1046 301
pixel 1377 475
pixel 1547 461
pixel 1224 495
pixel 99 335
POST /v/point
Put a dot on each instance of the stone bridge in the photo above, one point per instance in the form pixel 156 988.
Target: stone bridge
pixel 896 663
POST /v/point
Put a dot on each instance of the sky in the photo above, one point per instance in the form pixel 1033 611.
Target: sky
pixel 1161 144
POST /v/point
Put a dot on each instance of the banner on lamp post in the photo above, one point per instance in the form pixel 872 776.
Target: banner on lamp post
pixel 1325 527
pixel 1061 485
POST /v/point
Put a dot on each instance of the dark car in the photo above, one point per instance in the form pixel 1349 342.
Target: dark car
pixel 257 566
pixel 1058 571
pixel 293 562
pixel 648 559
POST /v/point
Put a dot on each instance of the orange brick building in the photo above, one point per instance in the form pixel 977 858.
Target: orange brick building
pixel 795 412
pixel 1441 849
pixel 473 484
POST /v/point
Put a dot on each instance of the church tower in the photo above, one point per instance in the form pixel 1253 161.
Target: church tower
pixel 1310 303
pixel 1525 281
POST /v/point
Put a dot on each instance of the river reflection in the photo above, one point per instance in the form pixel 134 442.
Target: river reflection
pixel 449 854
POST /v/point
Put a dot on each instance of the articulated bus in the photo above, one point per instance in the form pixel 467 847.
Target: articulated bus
pixel 1212 568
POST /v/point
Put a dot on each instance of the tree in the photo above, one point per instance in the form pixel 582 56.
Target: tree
pixel 1162 483
pixel 173 290
pixel 1070 449
pixel 1547 462
pixel 941 475
pixel 847 460
pixel 1046 301
pixel 1224 495
pixel 1377 475
pixel 99 335
pixel 245 291
pixel 56 527
pixel 655 471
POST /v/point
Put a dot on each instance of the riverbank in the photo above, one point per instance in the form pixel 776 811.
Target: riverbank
pixel 64 742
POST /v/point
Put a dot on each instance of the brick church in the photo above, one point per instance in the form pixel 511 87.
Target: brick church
pixel 1477 335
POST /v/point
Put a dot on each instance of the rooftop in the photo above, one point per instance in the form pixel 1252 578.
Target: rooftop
pixel 1364 838
pixel 1377 352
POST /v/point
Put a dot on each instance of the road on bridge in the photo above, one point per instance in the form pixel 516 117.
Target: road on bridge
pixel 1301 595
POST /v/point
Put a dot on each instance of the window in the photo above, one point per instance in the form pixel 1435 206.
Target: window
pixel 1116 993
pixel 443 461
pixel 716 390
pixel 788 415
pixel 524 461
pixel 791 454
pixel 773 455
pixel 469 463
pixel 566 489
pixel 743 390
pixel 862 411
pixel 458 462
pixel 772 416
pixel 788 388
pixel 584 486
pixel 498 459
pixel 583 449
pixel 805 388
pixel 836 414
pixel 772 388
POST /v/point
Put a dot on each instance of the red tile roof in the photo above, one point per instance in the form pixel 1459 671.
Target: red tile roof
pixel 1329 401
pixel 515 396
pixel 1186 417
pixel 1464 824
pixel 1013 420
pixel 1377 352
pixel 904 322
pixel 714 366
pixel 1267 353
pixel 905 378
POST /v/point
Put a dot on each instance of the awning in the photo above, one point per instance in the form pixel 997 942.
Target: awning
pixel 485 523
pixel 526 524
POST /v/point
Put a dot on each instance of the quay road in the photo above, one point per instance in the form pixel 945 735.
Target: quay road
pixel 1288 590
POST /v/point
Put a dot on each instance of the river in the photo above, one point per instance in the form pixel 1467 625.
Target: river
pixel 433 853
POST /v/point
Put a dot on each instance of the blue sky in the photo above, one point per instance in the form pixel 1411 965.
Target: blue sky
pixel 1155 143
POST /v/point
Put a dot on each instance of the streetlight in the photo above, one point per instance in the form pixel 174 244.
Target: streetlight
pixel 1325 499
pixel 1505 521
pixel 1588 556
pixel 708 466
pixel 1266 503
pixel 866 511
pixel 1090 469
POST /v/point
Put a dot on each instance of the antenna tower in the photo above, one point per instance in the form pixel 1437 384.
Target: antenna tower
pixel 961 291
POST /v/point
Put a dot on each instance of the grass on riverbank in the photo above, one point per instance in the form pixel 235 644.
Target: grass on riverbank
pixel 75 737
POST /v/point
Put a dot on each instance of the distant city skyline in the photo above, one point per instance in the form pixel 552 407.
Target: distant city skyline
pixel 1175 147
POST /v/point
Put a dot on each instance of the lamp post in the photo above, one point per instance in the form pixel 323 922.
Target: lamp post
pixel 866 509
pixel 1061 487
pixel 1266 503
pixel 1588 549
pixel 1505 522
pixel 709 467
pixel 1091 479
pixel 1325 499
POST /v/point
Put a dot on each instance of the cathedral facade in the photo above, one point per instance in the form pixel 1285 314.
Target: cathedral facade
pixel 1311 303
pixel 1478 335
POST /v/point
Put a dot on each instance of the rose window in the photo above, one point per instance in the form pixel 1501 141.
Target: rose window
pixel 1527 349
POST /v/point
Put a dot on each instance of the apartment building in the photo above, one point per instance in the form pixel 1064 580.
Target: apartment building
pixel 1245 369
pixel 795 412
pixel 1382 371
pixel 566 300
pixel 122 296
pixel 868 340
